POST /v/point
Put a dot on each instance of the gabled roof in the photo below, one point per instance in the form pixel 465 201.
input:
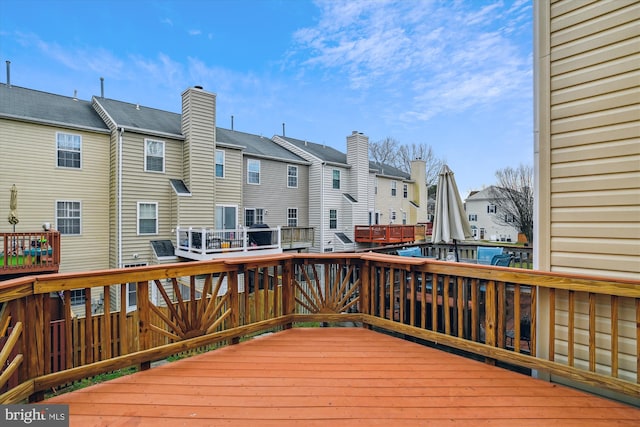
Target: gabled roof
pixel 35 106
pixel 386 170
pixel 134 116
pixel 322 152
pixel 256 145
pixel 484 194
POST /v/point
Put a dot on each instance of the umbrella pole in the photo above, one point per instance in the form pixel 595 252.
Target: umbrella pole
pixel 455 249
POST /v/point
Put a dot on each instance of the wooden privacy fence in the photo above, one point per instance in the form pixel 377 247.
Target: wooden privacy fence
pixel 576 327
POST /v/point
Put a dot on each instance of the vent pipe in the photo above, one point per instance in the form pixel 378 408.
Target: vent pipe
pixel 283 134
pixel 232 122
pixel 75 94
pixel 101 87
pixel 8 73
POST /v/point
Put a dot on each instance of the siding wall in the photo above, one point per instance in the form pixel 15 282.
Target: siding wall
pixel 198 128
pixel 41 184
pixel 588 156
pixel 274 196
pixel 229 189
pixel 147 187
pixel 595 137
pixel 385 202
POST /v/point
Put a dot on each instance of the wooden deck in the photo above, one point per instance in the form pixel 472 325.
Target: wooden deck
pixel 336 377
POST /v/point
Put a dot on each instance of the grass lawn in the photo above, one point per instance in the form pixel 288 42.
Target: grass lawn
pixel 14 260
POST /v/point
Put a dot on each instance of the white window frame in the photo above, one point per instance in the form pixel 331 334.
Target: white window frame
pixel 129 290
pixel 473 217
pixel 394 188
pixel 215 166
pixel 292 220
pixel 405 191
pixel 333 179
pixel 333 221
pixel 491 208
pixel 138 219
pixel 72 139
pixel 78 297
pixel 258 216
pixel 147 144
pixel 291 176
pixel 404 218
pixel 69 209
pixel 250 171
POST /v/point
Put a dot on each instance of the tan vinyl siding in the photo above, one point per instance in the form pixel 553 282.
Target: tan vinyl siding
pixel 595 82
pixel 30 151
pixel 198 156
pixel 588 150
pixel 138 186
pixel 274 195
pixel 229 189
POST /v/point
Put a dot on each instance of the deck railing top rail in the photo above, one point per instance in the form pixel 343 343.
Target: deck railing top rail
pixel 533 319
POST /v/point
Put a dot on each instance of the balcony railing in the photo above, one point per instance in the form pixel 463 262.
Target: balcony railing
pixel 577 327
pixel 29 253
pixel 205 243
pixel 296 237
pixel 388 234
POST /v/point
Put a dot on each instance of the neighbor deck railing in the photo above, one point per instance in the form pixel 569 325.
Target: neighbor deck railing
pixel 29 252
pixel 571 326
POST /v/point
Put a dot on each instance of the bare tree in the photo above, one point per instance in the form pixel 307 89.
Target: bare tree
pixel 513 197
pixel 390 152
pixel 407 153
pixel 385 151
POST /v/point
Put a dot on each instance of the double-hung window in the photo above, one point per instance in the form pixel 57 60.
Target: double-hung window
pixel 77 296
pixel 68 217
pixel 69 150
pixel 394 187
pixel 292 217
pixel 153 155
pixel 492 208
pixel 147 218
pixel 253 216
pixel 405 191
pixel 336 179
pixel 292 176
pixel 219 164
pixel 333 218
pixel 253 171
pixel 473 217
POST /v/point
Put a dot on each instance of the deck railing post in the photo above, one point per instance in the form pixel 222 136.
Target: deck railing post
pixel 234 301
pixel 490 317
pixel 287 289
pixel 364 306
pixel 144 319
pixel 34 339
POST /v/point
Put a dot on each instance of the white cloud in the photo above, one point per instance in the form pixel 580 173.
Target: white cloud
pixel 430 57
pixel 194 32
pixel 77 58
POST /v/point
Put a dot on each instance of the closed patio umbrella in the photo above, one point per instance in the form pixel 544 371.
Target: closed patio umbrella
pixel 450 222
pixel 13 207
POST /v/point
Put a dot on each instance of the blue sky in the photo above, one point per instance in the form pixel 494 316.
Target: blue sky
pixel 454 74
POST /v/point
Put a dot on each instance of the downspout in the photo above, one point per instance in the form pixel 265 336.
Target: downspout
pixel 322 208
pixel 120 132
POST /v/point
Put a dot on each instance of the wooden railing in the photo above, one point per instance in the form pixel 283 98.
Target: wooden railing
pixel 385 234
pixel 296 237
pixel 565 325
pixel 29 253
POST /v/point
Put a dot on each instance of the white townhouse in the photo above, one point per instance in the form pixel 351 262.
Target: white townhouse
pixel 486 219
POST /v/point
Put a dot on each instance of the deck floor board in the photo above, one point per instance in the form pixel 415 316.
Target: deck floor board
pixel 336 377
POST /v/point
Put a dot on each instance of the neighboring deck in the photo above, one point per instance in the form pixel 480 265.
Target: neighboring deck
pixel 336 377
